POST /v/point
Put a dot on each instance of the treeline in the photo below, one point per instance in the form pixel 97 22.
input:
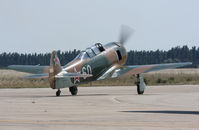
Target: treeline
pixel 35 59
pixel 175 54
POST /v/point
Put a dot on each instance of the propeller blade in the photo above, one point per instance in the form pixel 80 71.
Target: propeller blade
pixel 125 34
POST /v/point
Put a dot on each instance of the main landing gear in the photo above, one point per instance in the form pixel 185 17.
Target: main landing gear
pixel 140 84
pixel 73 90
pixel 58 92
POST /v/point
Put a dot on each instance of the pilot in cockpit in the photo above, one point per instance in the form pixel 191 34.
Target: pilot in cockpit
pixel 100 47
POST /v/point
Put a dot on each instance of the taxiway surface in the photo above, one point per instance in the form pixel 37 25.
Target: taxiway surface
pixel 161 107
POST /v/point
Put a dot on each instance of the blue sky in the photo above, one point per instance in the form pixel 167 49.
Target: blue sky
pixel 46 25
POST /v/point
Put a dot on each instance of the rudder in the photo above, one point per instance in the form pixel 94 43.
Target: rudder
pixel 55 68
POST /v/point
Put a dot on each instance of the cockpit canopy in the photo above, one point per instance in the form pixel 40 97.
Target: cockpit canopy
pixel 91 52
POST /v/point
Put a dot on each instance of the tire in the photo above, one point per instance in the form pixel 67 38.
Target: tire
pixel 138 90
pixel 58 93
pixel 73 90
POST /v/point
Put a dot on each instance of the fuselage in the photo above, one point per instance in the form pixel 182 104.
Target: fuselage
pixel 96 60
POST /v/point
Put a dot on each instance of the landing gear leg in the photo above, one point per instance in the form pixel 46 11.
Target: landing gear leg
pixel 140 84
pixel 58 92
pixel 73 90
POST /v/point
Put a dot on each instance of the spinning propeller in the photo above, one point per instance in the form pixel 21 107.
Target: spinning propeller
pixel 125 33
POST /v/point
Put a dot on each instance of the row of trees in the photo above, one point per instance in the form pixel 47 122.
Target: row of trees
pixel 35 59
pixel 176 54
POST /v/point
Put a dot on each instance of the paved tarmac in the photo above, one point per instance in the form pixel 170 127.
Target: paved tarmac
pixel 101 108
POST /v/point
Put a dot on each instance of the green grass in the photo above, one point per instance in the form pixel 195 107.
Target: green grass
pixel 12 79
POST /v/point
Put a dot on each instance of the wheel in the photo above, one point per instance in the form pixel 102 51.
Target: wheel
pixel 58 92
pixel 138 90
pixel 140 84
pixel 73 90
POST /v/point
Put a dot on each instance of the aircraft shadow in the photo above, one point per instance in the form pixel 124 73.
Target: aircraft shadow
pixel 43 96
pixel 167 112
pixel 84 95
pixel 70 95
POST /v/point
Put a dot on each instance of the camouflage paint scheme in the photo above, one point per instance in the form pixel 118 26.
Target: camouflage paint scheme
pixel 98 64
pixel 106 64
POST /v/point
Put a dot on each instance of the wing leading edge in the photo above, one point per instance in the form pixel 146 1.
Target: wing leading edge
pixel 138 69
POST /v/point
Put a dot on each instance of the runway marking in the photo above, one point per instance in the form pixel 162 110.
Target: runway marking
pixel 116 100
pixel 137 124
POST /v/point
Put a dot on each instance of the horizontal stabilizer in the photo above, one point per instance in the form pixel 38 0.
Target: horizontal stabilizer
pixel 35 76
pixel 35 69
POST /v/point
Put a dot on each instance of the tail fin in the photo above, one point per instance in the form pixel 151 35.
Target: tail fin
pixel 55 68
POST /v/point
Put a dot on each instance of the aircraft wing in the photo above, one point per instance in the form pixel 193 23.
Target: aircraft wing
pixel 137 69
pixel 73 75
pixel 35 69
pixel 61 75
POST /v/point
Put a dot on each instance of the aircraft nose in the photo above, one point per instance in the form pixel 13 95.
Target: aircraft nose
pixel 121 54
pixel 123 51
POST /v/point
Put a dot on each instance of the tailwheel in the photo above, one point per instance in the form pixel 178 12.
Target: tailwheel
pixel 58 92
pixel 73 90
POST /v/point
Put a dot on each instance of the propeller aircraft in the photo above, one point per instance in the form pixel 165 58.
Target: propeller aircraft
pixel 97 62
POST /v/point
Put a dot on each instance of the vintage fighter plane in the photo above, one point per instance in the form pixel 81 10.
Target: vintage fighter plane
pixel 97 62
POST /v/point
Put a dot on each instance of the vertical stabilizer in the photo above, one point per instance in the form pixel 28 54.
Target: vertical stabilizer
pixel 55 68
